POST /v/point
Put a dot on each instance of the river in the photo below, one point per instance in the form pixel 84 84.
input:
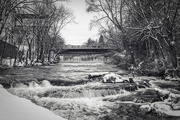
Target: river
pixel 61 89
pixel 65 71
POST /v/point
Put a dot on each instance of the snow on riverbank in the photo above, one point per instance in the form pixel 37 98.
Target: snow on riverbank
pixel 15 108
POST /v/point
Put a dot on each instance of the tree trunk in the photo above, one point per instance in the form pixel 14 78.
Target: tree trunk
pixel 49 56
pixel 27 55
pixel 4 47
pixel 29 52
pixel 38 47
pixel 126 45
pixel 15 58
pixel 174 58
pixel 41 52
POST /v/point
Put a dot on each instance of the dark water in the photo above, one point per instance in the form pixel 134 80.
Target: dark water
pixel 89 101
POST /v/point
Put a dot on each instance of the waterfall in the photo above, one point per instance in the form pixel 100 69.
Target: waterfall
pixel 45 89
pixel 80 58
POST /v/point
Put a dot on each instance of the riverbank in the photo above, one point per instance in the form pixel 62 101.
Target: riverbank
pixel 15 108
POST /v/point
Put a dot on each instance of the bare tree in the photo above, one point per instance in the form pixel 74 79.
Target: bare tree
pixel 158 27
pixel 61 18
pixel 151 27
pixel 34 20
pixel 113 10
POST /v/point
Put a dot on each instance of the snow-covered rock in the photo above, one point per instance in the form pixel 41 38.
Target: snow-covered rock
pixel 176 106
pixel 112 77
pixel 45 83
pixel 163 108
pixel 146 108
pixel 20 64
pixel 37 64
pixel 15 108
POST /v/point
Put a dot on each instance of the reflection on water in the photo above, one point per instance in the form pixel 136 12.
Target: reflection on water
pixel 63 71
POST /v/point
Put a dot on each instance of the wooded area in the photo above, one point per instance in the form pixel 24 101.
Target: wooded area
pixel 146 32
pixel 33 27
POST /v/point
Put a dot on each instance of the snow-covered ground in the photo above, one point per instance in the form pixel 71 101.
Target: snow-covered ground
pixel 15 108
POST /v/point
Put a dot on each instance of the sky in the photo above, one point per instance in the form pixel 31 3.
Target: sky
pixel 77 34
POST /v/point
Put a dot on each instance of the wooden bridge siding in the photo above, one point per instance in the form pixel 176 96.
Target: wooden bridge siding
pixel 84 51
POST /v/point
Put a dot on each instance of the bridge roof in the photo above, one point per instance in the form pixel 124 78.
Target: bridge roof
pixel 84 49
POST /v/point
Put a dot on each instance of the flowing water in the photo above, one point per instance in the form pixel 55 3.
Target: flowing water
pixel 60 88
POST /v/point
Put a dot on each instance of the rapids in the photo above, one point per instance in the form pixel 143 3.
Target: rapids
pixel 60 89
